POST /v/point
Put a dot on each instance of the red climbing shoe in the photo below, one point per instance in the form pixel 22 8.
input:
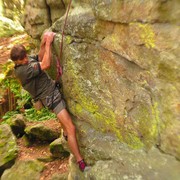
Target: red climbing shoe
pixel 82 165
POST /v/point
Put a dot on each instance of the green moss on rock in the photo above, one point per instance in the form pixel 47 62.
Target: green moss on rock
pixel 147 35
pixel 29 169
pixel 166 72
pixel 8 147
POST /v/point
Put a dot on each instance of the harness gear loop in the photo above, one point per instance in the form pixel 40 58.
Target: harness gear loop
pixel 59 68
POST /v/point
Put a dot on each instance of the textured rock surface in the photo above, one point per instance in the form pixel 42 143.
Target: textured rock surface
pixel 8 27
pixel 137 10
pixel 39 15
pixel 109 159
pixel 121 79
pixel 57 150
pixel 8 147
pixel 29 169
pixel 17 124
pixel 41 132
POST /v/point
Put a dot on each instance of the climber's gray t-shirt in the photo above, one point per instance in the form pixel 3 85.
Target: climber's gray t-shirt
pixel 34 80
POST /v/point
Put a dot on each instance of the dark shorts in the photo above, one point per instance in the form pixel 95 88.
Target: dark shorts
pixel 54 102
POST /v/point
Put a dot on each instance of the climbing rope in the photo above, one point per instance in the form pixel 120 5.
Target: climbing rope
pixel 59 69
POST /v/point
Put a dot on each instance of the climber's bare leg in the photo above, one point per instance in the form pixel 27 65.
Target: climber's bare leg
pixel 69 127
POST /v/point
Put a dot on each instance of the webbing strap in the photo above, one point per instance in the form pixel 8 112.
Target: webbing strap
pixel 59 69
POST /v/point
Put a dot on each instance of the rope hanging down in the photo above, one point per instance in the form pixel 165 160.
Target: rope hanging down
pixel 59 69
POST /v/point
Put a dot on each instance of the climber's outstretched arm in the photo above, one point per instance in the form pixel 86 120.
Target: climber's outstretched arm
pixel 45 50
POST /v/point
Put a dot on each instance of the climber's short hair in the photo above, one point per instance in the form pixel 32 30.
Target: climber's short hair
pixel 18 52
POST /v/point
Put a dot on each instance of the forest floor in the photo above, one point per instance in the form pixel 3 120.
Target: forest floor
pixel 41 151
pixel 36 150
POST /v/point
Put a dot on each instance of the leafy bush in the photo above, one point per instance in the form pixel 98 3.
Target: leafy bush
pixel 34 115
pixel 31 115
pixel 8 81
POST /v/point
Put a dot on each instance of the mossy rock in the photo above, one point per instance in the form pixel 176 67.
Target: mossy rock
pixel 42 133
pixel 18 125
pixel 8 147
pixel 8 27
pixel 57 149
pixel 29 169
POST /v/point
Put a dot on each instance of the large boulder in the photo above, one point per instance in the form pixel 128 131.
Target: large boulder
pixel 40 132
pixel 124 107
pixel 121 77
pixel 18 124
pixel 57 149
pixel 29 169
pixel 8 147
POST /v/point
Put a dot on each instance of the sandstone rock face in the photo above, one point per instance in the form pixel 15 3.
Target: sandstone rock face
pixel 57 9
pixel 109 159
pixel 137 10
pixel 39 15
pixel 121 73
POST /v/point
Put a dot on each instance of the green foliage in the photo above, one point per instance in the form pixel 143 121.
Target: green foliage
pixel 30 114
pixel 8 81
pixel 8 115
pixel 34 115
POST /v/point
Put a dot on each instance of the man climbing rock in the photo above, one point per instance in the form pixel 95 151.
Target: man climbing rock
pixel 30 72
